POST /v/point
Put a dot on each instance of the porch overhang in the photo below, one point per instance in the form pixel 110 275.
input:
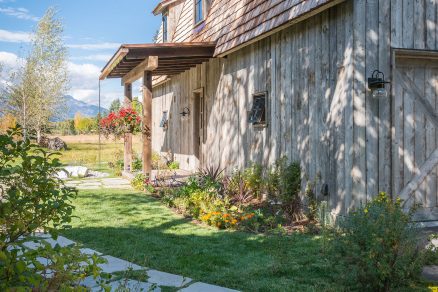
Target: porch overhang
pixel 164 59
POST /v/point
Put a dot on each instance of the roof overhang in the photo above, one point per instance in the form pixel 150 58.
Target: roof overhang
pixel 165 59
pixel 162 6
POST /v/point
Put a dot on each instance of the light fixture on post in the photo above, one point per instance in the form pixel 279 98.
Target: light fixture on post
pixel 376 83
pixel 185 112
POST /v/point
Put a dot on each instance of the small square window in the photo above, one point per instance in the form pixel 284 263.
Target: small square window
pixel 257 115
pixel 164 121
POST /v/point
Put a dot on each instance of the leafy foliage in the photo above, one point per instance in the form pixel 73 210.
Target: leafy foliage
pixel 125 121
pixel 379 246
pixel 210 195
pixel 142 183
pixel 32 198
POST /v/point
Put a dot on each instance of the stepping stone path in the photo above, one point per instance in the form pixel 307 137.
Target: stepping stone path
pixel 99 183
pixel 156 279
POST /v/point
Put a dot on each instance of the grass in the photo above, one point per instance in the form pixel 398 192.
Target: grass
pixel 83 150
pixel 140 229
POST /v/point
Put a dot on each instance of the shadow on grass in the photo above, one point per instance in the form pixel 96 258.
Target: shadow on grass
pixel 140 229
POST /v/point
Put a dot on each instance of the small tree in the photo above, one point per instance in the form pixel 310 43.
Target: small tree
pixel 37 89
pixel 115 105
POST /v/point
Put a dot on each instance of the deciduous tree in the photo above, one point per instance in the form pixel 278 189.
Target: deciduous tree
pixel 37 89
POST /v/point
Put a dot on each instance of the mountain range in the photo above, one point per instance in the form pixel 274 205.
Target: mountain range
pixel 76 106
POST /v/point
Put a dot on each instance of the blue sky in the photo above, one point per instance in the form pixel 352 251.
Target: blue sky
pixel 93 30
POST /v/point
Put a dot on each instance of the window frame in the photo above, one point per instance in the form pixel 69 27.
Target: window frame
pixel 264 118
pixel 196 10
pixel 165 23
pixel 164 123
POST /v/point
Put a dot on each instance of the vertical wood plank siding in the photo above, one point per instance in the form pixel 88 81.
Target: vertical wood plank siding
pixel 304 70
pixel 320 111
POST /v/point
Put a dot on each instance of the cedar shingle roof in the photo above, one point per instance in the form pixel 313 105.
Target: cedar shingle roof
pixel 232 23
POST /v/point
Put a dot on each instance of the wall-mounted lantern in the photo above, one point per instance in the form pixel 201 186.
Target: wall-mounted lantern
pixel 164 121
pixel 376 83
pixel 185 112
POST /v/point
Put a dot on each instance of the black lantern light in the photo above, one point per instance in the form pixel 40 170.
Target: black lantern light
pixel 377 85
pixel 185 112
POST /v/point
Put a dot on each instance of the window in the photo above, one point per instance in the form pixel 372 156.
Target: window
pixel 164 121
pixel 199 13
pixel 257 115
pixel 165 31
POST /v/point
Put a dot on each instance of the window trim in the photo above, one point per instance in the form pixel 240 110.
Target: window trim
pixel 202 2
pixel 165 23
pixel 264 121
pixel 164 123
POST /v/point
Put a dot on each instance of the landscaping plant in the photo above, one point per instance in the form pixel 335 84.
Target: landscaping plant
pixel 142 183
pixel 377 245
pixel 117 124
pixel 31 199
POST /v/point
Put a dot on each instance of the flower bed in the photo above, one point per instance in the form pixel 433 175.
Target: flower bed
pixel 255 199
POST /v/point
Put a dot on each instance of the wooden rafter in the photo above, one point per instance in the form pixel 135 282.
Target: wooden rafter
pixel 131 61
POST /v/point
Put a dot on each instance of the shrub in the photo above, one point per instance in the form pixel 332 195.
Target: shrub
pixel 253 176
pixel 378 246
pixel 284 185
pixel 174 165
pixel 237 188
pixel 137 162
pixel 31 198
pixel 142 183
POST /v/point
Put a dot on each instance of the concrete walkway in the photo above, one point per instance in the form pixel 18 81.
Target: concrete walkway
pixel 156 280
pixel 99 183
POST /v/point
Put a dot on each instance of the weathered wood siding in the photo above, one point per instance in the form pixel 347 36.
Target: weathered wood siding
pixel 305 70
pixel 320 110
pixel 380 27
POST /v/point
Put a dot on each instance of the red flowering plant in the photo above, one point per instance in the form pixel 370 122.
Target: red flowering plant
pixel 127 120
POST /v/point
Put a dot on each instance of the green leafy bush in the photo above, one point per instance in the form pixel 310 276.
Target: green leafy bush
pixel 174 165
pixel 142 183
pixel 137 162
pixel 32 198
pixel 378 246
pixel 284 186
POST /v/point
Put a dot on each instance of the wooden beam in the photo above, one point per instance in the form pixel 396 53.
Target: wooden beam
pixel 115 60
pixel 147 122
pixel 127 155
pixel 422 173
pixel 149 64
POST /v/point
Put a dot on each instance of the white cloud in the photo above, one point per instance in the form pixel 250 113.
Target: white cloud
pixel 20 13
pixel 15 36
pixel 98 57
pixel 98 46
pixel 84 85
pixel 84 80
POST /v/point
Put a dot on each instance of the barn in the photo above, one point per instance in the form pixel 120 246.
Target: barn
pixel 346 87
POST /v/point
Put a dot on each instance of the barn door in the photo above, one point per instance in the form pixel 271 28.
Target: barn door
pixel 415 145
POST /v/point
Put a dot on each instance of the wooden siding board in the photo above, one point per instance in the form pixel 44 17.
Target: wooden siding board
pixel 359 131
pixel 384 64
pixel 371 104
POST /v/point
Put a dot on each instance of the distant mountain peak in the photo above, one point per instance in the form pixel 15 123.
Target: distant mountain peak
pixel 73 106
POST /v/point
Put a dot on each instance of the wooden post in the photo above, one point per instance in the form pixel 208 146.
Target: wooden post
pixel 127 103
pixel 147 122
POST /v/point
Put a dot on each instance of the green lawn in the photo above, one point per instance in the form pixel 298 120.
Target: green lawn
pixel 140 229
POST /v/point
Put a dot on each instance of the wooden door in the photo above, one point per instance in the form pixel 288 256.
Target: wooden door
pixel 415 136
